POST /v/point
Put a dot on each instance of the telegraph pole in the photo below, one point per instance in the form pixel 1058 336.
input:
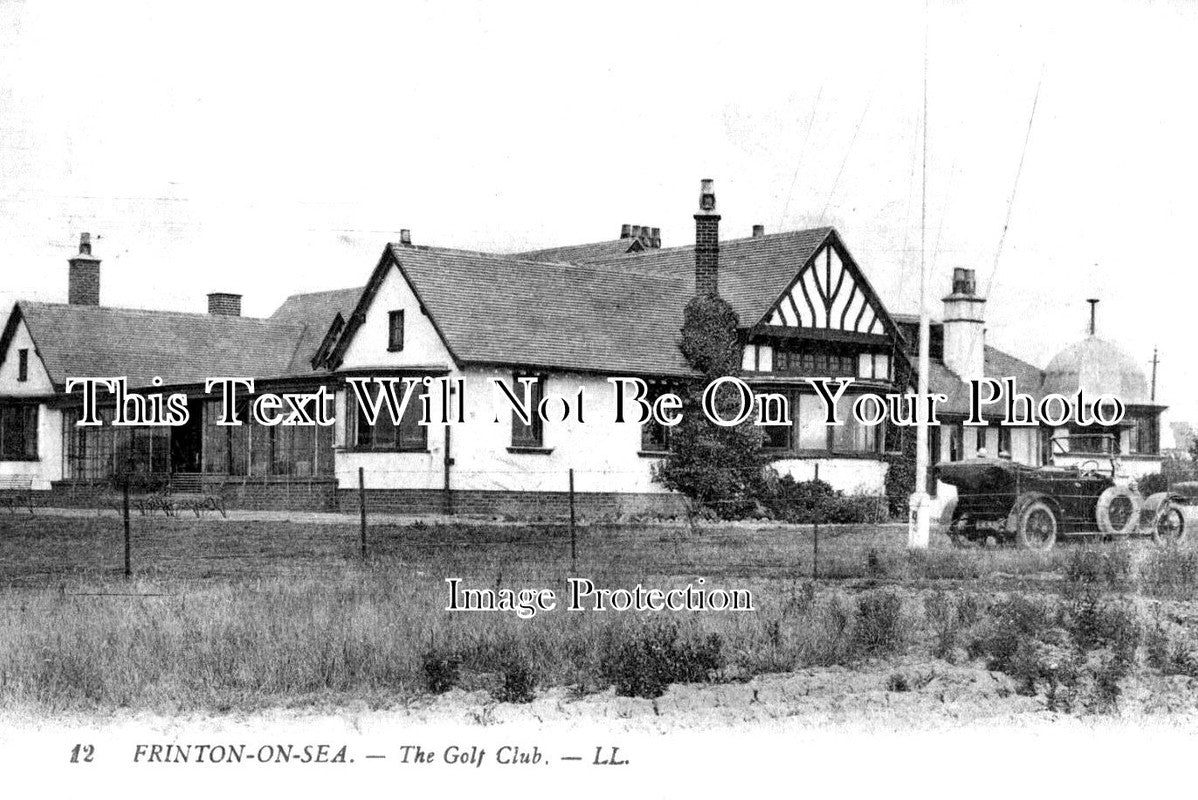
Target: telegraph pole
pixel 919 519
pixel 1155 361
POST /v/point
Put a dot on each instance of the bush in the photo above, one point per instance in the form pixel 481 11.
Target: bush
pixel 720 468
pixel 881 629
pixel 442 670
pixel 806 502
pixel 519 682
pixel 1096 623
pixel 645 662
pixel 1151 484
pixel 900 481
pixel 1089 565
pixel 1014 621
pixel 1171 570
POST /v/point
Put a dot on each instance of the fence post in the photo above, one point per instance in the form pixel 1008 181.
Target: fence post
pixel 362 505
pixel 815 539
pixel 573 533
pixel 128 547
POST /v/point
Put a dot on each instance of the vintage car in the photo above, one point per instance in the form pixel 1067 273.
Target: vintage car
pixel 1032 506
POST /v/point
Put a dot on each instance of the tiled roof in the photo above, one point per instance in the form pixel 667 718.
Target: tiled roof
pixel 504 310
pixel 753 271
pixel 76 341
pixel 583 252
pixel 613 314
pixel 1028 380
pixel 314 313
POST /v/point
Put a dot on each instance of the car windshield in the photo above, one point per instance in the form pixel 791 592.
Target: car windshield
pixel 1099 443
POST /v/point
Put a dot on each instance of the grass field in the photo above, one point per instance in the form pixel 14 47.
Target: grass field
pixel 240 615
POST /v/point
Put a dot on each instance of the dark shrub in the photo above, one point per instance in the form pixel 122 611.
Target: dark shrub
pixel 880 628
pixel 943 618
pixel 519 681
pixel 1090 565
pixel 806 502
pixel 1151 484
pixel 644 662
pixel 1015 621
pixel 1095 623
pixel 900 478
pixel 442 670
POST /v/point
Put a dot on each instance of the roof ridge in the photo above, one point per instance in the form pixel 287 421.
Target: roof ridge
pixel 652 251
pixel 602 264
pixel 152 312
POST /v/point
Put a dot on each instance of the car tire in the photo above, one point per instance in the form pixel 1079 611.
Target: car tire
pixel 1169 527
pixel 1037 525
pixel 1118 511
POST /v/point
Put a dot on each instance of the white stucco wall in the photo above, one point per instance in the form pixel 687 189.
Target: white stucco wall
pixel 48 466
pixel 604 455
pixel 39 381
pixel 422 344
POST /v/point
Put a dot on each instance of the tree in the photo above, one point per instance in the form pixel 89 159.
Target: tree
pixel 721 468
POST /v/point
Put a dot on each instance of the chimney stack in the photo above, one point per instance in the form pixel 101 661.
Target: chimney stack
pixel 224 304
pixel 758 231
pixel 1093 301
pixel 656 238
pixel 707 242
pixel 964 327
pixel 83 278
pixel 405 236
pixel 625 231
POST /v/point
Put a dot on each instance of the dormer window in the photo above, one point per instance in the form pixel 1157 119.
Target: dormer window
pixel 395 331
pixel 23 365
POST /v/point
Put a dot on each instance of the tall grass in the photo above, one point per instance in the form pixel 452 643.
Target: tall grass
pixel 303 623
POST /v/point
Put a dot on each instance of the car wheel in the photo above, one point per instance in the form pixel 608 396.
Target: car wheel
pixel 961 531
pixel 1118 511
pixel 1037 529
pixel 1170 526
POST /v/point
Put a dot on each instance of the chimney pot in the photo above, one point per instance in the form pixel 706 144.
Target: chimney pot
pixel 625 231
pixel 963 281
pixel 656 236
pixel 707 195
pixel 85 244
pixel 758 231
pixel 405 236
pixel 224 304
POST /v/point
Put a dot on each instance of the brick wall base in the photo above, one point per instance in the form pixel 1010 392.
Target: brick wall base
pixel 255 494
pixel 516 505
pixel 323 495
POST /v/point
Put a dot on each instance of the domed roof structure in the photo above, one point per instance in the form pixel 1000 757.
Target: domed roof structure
pixel 1097 366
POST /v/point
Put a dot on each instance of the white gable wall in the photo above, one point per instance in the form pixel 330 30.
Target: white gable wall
pixel 48 467
pixel 422 343
pixel 39 380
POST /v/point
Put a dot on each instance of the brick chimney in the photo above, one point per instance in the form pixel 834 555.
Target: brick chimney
pixel 758 231
pixel 224 304
pixel 707 242
pixel 964 327
pixel 83 278
pixel 655 241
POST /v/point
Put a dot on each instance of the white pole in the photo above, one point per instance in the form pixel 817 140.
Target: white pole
pixel 919 521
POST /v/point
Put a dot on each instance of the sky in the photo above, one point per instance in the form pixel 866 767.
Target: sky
pixel 270 149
